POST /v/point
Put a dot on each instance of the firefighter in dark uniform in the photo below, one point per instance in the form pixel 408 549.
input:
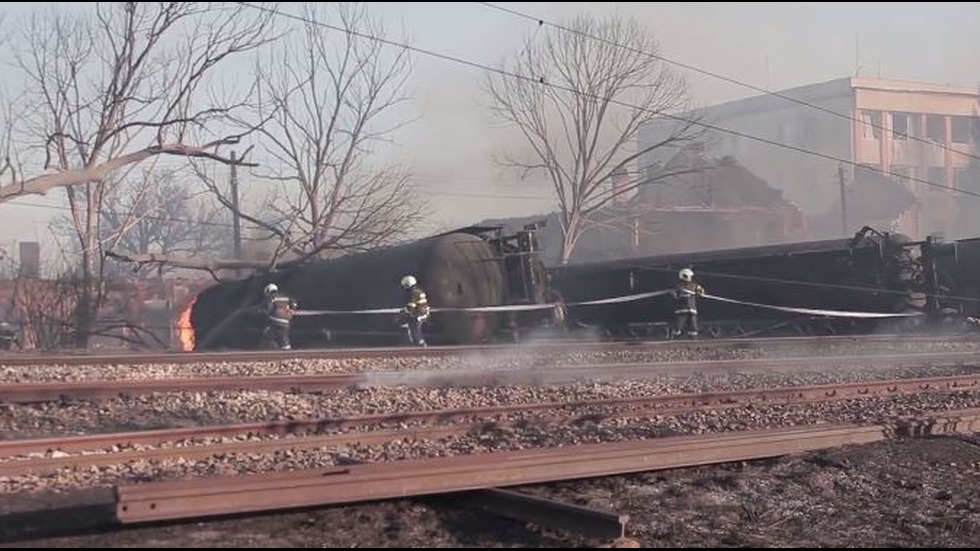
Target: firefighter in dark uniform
pixel 416 310
pixel 686 307
pixel 279 311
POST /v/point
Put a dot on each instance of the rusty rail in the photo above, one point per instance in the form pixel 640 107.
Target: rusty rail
pixel 241 494
pixel 549 513
pixel 320 486
pixel 174 357
pixel 664 404
pixel 98 389
pixel 23 393
pixel 399 479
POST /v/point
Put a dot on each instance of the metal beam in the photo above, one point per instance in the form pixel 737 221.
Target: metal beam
pixel 585 521
pixel 357 483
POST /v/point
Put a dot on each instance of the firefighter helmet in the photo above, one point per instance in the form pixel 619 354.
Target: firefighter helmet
pixel 408 282
pixel 686 274
pixel 271 288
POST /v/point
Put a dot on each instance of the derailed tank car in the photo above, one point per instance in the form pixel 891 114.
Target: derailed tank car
pixel 467 268
pixel 955 272
pixel 871 272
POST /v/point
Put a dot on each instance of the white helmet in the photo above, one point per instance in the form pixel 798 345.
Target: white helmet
pixel 408 282
pixel 271 288
pixel 686 274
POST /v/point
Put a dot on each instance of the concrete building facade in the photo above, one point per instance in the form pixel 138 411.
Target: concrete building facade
pixel 923 131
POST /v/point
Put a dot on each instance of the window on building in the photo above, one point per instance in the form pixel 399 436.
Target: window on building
pixel 937 175
pixel 961 129
pixel 936 128
pixel 871 129
pixel 917 128
pixel 901 126
pixel 975 129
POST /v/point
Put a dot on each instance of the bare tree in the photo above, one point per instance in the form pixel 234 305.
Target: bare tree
pixel 115 85
pixel 160 213
pixel 45 310
pixel 580 95
pixel 328 100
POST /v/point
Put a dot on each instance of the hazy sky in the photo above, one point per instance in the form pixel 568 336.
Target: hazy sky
pixel 777 45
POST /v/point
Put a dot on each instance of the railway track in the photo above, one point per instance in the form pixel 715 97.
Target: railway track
pixel 398 479
pixel 100 389
pixel 83 359
pixel 468 480
pixel 204 497
pixel 39 456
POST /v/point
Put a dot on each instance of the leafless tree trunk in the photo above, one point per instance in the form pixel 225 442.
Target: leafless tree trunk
pixel 580 96
pixel 11 168
pixel 328 100
pixel 115 85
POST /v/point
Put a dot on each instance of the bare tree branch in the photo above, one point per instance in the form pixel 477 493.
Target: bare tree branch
pixel 39 185
pixel 209 264
pixel 327 100
pixel 113 84
pixel 158 212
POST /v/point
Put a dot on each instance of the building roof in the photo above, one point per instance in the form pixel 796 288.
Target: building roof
pixel 829 89
pixel 873 199
pixel 717 183
pixel 911 86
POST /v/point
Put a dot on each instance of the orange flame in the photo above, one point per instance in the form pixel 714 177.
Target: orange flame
pixel 185 329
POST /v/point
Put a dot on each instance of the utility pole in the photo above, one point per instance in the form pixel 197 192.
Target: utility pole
pixel 236 220
pixel 843 201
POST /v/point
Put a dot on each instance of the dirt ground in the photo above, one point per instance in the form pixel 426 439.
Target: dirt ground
pixel 920 492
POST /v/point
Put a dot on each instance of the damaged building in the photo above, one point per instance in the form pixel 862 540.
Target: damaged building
pixel 719 204
pixel 905 130
pixel 880 201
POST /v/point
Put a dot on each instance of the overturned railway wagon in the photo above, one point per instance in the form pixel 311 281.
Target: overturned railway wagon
pixel 871 272
pixel 471 267
pixel 956 271
pixel 479 266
